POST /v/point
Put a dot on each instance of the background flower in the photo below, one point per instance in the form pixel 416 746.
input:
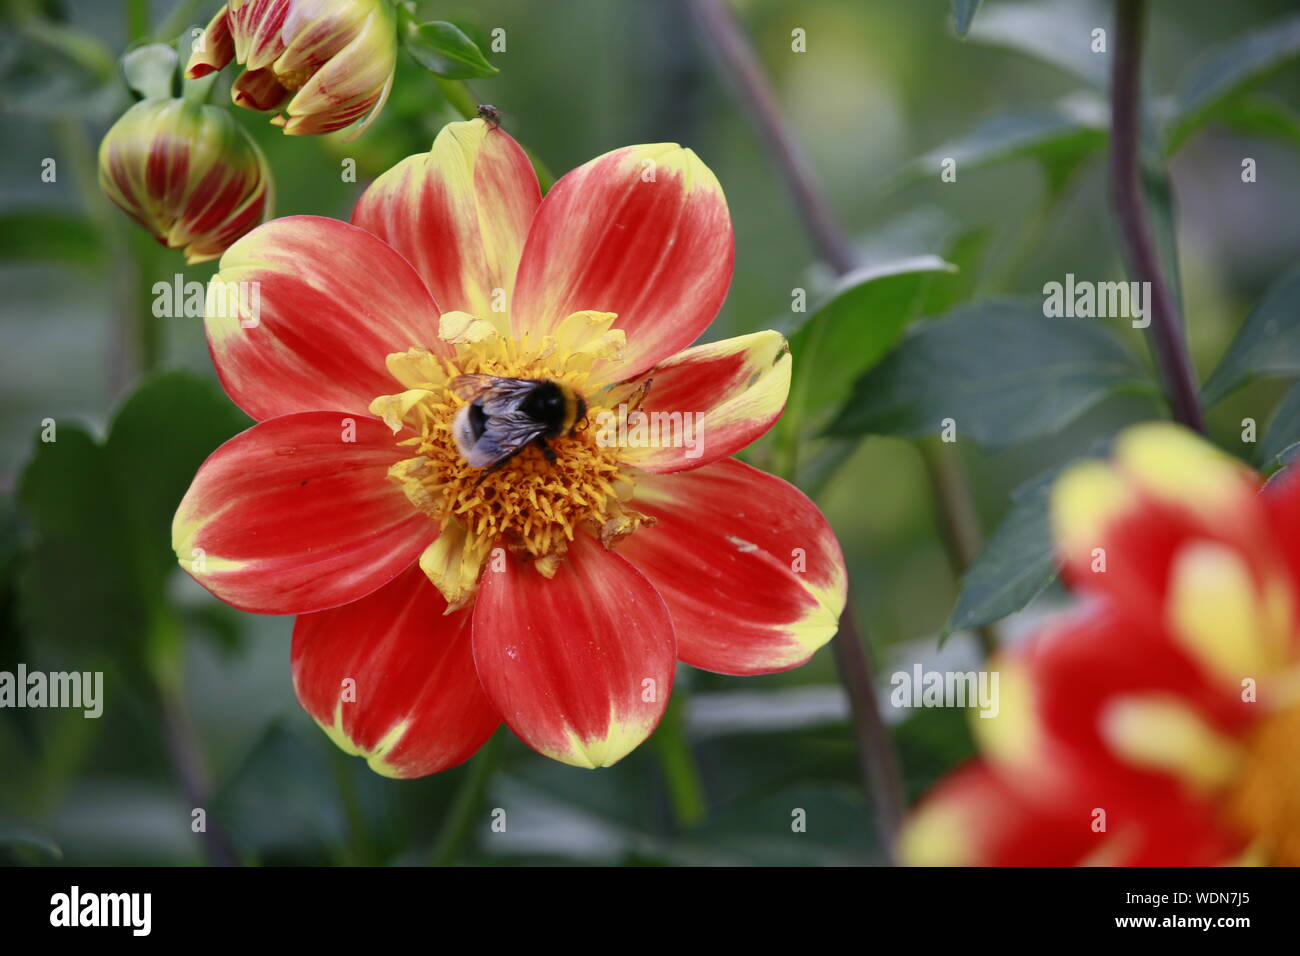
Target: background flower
pixel 1156 724
pixel 324 62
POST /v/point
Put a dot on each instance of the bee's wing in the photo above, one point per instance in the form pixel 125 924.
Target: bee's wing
pixel 501 436
pixel 498 396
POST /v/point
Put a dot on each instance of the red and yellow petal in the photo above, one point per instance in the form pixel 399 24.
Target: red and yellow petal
pixel 974 818
pixel 356 79
pixel 258 90
pixel 643 232
pixel 391 678
pixel 748 566
pixel 216 49
pixel 1130 517
pixel 979 816
pixel 580 665
pixel 723 395
pixel 459 214
pixel 304 312
pixel 1110 705
pixel 297 514
pixel 259 28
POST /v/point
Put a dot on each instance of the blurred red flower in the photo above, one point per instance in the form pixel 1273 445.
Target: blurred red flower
pixel 1159 723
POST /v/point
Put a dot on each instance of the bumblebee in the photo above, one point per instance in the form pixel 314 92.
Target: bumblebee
pixel 505 415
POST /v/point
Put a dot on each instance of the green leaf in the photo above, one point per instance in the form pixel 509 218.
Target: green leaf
pixel 444 49
pixel 1056 32
pixel 1158 193
pixel 101 515
pixel 853 329
pixel 1261 116
pixel 282 769
pixel 49 235
pixel 1268 342
pixel 1283 429
pixel 963 12
pixel 1001 370
pixel 1060 138
pixel 1016 563
pixel 16 835
pixel 1229 70
pixel 156 443
pixel 150 70
pixel 77 587
pixel 966 253
pixel 1014 566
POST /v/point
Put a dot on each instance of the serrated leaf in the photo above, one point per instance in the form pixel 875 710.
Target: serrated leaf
pixel 1268 342
pixel 963 12
pixel 1014 566
pixel 444 49
pixel 1000 369
pixel 853 329
pixel 1229 70
pixel 1016 563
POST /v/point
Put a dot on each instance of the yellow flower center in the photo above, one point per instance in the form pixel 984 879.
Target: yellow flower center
pixel 528 504
pixel 292 80
pixel 1264 800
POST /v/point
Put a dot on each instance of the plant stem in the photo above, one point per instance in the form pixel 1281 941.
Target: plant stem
pixel 742 65
pixel 182 16
pixel 465 809
pixel 1167 339
pixel 137 20
pixel 876 756
pixel 165 651
pixel 879 763
pixel 358 845
pixel 959 522
pixel 678 763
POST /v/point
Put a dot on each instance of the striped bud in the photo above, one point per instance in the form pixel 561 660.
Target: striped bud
pixel 187 173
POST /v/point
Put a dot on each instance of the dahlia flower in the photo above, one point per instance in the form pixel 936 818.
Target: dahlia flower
pixel 1159 722
pixel 331 60
pixel 187 173
pixel 557 591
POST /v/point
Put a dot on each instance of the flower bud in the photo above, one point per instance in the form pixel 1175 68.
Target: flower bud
pixel 323 62
pixel 186 172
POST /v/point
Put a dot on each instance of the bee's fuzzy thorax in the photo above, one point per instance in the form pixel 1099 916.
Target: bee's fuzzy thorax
pixel 526 503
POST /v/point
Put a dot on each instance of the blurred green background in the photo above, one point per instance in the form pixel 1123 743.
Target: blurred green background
pixel 882 84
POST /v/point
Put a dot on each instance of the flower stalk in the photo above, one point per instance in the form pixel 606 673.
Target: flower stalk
pixel 1167 337
pixel 879 762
